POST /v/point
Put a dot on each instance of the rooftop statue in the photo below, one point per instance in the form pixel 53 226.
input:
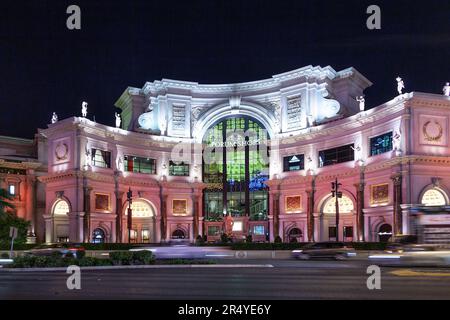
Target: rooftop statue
pixel 362 103
pixel 400 85
pixel 84 106
pixel 118 120
pixel 446 89
pixel 54 117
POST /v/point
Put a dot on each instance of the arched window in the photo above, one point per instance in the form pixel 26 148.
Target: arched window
pixel 345 205
pixel 235 168
pixel 98 236
pixel 141 209
pixel 61 208
pixel 385 232
pixel 178 234
pixel 295 235
pixel 433 197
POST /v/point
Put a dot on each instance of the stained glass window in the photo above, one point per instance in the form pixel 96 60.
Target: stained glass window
pixel 235 168
pixel 381 144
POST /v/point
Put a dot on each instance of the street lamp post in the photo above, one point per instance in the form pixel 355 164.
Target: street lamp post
pixel 336 194
pixel 130 213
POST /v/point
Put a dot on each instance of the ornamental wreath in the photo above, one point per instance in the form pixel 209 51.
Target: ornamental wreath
pixel 432 138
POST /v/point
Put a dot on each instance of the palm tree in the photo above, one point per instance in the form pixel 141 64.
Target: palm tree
pixel 5 201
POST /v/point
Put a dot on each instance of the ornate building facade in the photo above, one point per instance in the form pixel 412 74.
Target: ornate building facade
pixel 253 158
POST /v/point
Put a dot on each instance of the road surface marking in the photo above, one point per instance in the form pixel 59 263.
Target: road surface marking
pixel 411 273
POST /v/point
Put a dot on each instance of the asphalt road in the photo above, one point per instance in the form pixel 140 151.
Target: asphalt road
pixel 287 279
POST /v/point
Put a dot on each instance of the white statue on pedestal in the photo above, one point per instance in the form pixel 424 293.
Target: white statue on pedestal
pixel 396 141
pixel 446 89
pixel 118 120
pixel 54 117
pixel 84 106
pixel 400 85
pixel 362 103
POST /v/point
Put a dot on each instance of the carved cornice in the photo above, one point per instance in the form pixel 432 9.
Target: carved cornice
pixel 20 165
pixel 308 73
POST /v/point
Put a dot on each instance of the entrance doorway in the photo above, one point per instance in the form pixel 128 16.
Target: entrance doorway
pixel 295 235
pixel 98 236
pixel 178 234
pixel 385 233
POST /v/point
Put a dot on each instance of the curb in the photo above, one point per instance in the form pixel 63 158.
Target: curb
pixel 187 266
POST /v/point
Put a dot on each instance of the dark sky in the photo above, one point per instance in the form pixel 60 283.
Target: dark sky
pixel 45 67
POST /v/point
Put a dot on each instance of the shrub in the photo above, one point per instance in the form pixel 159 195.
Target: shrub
pixel 143 257
pixel 23 262
pixel 249 239
pixel 293 240
pixel 121 257
pixel 131 258
pixel 278 239
pixel 81 254
pixel 199 241
pixel 29 261
pixel 4 256
pixel 93 262
pixel 224 238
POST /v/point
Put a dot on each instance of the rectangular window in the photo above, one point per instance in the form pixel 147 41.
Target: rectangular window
pixel 139 165
pixel 133 236
pixel 213 231
pixel 100 158
pixel 381 144
pixel 178 169
pixel 336 155
pixel 294 163
pixel 238 226
pixel 145 235
pixel 348 232
pixel 332 232
pixel 12 190
pixel 258 230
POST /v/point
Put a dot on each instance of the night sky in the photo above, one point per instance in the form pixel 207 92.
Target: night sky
pixel 45 67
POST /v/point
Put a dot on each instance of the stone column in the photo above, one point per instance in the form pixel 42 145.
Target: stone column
pixel 359 211
pixel 164 218
pixel 31 201
pixel 397 218
pixel 310 214
pixel 48 228
pixel 196 214
pixel 87 213
pixel 119 216
pixel 276 214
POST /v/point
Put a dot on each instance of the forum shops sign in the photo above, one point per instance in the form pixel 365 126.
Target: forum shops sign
pixel 212 150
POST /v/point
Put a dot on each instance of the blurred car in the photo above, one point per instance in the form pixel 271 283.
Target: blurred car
pixel 187 252
pixel 397 254
pixel 58 249
pixel 335 250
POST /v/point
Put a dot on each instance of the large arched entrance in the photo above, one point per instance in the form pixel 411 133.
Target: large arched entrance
pixel 98 236
pixel 346 219
pixel 143 223
pixel 178 234
pixel 385 233
pixel 60 211
pixel 235 167
pixel 295 235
